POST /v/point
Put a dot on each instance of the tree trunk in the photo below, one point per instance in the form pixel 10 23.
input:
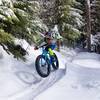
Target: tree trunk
pixel 88 25
pixel 58 45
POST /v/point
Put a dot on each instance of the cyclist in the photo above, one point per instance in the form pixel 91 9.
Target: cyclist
pixel 50 42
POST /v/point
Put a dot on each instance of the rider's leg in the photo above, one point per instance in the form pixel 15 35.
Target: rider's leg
pixel 51 52
pixel 50 49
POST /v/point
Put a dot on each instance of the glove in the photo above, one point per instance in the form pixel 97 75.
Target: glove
pixel 36 47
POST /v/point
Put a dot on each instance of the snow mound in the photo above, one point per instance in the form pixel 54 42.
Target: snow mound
pixel 88 60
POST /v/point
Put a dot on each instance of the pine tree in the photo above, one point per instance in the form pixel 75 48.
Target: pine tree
pixel 18 19
pixel 70 20
pixel 95 14
pixel 64 14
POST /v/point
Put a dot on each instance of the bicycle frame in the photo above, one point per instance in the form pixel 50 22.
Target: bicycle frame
pixel 46 55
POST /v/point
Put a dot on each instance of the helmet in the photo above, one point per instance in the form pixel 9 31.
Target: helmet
pixel 53 35
pixel 48 35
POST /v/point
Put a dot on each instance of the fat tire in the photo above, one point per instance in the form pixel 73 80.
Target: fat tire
pixel 57 63
pixel 38 66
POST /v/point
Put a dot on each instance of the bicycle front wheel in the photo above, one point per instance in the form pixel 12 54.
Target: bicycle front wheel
pixel 42 66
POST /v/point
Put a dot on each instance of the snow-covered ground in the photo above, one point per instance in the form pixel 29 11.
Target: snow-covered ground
pixel 79 79
pixel 81 82
pixel 20 81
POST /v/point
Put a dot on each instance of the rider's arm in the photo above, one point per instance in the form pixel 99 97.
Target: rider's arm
pixel 40 43
pixel 37 47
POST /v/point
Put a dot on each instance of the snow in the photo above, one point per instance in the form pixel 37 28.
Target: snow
pixel 82 80
pixel 88 63
pixel 79 77
pixel 19 80
pixel 89 60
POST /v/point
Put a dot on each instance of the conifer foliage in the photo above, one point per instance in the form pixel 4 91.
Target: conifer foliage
pixel 18 19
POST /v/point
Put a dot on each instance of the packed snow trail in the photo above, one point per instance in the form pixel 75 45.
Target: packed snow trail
pixel 30 91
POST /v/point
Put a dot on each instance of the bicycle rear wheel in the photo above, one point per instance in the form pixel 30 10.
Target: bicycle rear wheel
pixel 42 66
pixel 55 64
